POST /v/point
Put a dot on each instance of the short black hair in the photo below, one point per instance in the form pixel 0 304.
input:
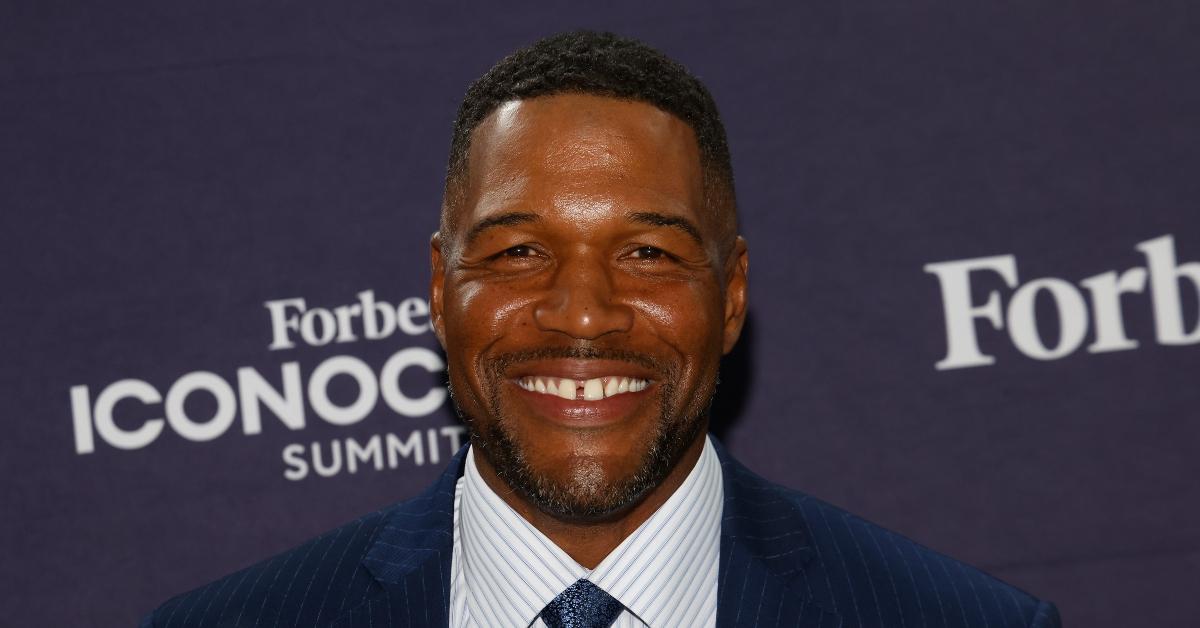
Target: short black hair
pixel 602 64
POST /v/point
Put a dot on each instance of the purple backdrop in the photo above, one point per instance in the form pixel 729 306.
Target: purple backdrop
pixel 1005 189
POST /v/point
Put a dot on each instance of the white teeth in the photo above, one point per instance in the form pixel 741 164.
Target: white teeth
pixel 594 389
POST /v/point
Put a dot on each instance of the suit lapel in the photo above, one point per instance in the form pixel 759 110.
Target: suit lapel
pixel 410 559
pixel 767 559
pixel 767 562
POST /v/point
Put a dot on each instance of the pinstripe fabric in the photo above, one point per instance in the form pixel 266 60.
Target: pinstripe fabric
pixel 389 568
pixel 786 559
pixel 505 571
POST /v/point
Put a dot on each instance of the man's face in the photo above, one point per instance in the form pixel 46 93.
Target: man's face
pixel 583 301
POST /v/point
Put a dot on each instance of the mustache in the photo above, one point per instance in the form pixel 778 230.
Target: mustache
pixel 503 362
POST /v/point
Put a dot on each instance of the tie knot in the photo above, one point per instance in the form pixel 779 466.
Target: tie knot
pixel 582 605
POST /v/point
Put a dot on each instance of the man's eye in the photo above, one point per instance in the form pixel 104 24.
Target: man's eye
pixel 648 252
pixel 519 250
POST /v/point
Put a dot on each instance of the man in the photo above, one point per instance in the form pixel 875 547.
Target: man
pixel 587 278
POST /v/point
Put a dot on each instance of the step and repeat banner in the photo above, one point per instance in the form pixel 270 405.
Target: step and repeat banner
pixel 975 281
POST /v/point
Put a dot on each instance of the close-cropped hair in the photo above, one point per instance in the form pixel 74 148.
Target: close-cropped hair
pixel 601 64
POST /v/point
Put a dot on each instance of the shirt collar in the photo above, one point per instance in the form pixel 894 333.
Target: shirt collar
pixel 512 570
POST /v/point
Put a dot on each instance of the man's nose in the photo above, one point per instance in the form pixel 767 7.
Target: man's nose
pixel 580 302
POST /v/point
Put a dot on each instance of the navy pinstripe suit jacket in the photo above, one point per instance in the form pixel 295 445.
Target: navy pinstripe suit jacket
pixel 787 559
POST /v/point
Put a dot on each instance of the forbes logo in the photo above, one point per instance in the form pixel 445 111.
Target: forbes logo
pixel 1104 301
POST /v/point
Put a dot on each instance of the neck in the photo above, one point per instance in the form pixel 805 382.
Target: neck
pixel 589 542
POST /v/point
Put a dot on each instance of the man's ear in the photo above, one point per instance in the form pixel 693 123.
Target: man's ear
pixel 436 284
pixel 737 267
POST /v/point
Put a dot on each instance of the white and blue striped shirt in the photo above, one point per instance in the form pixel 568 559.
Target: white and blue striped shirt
pixel 505 571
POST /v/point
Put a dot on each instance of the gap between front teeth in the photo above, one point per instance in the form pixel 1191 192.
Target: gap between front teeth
pixel 590 389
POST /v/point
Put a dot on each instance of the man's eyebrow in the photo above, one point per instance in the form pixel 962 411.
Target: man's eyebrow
pixel 663 220
pixel 506 219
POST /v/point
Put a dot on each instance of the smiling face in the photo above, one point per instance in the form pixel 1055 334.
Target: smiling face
pixel 584 295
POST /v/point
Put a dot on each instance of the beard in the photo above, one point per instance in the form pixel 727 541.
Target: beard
pixel 587 493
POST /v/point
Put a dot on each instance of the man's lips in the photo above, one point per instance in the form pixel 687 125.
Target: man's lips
pixel 591 389
pixel 582 391
pixel 580 369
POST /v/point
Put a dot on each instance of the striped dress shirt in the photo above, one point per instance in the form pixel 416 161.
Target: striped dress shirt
pixel 504 571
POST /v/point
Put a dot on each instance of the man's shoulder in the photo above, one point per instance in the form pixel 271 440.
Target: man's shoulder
pixel 317 582
pixel 875 576
pixel 895 575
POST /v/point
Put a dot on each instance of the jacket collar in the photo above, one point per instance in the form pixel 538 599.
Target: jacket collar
pixel 767 555
pixel 419 530
pixel 766 550
pixel 409 555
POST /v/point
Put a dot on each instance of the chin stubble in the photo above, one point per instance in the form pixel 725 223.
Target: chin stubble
pixel 587 493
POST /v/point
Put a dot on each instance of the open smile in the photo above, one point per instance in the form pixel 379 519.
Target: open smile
pixel 592 389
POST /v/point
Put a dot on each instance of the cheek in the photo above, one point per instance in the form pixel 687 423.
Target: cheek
pixel 480 302
pixel 689 313
pixel 688 319
pixel 478 314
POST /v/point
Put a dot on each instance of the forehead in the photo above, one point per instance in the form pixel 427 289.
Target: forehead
pixel 536 153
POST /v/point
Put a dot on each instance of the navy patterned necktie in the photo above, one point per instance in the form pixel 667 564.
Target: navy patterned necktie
pixel 582 605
